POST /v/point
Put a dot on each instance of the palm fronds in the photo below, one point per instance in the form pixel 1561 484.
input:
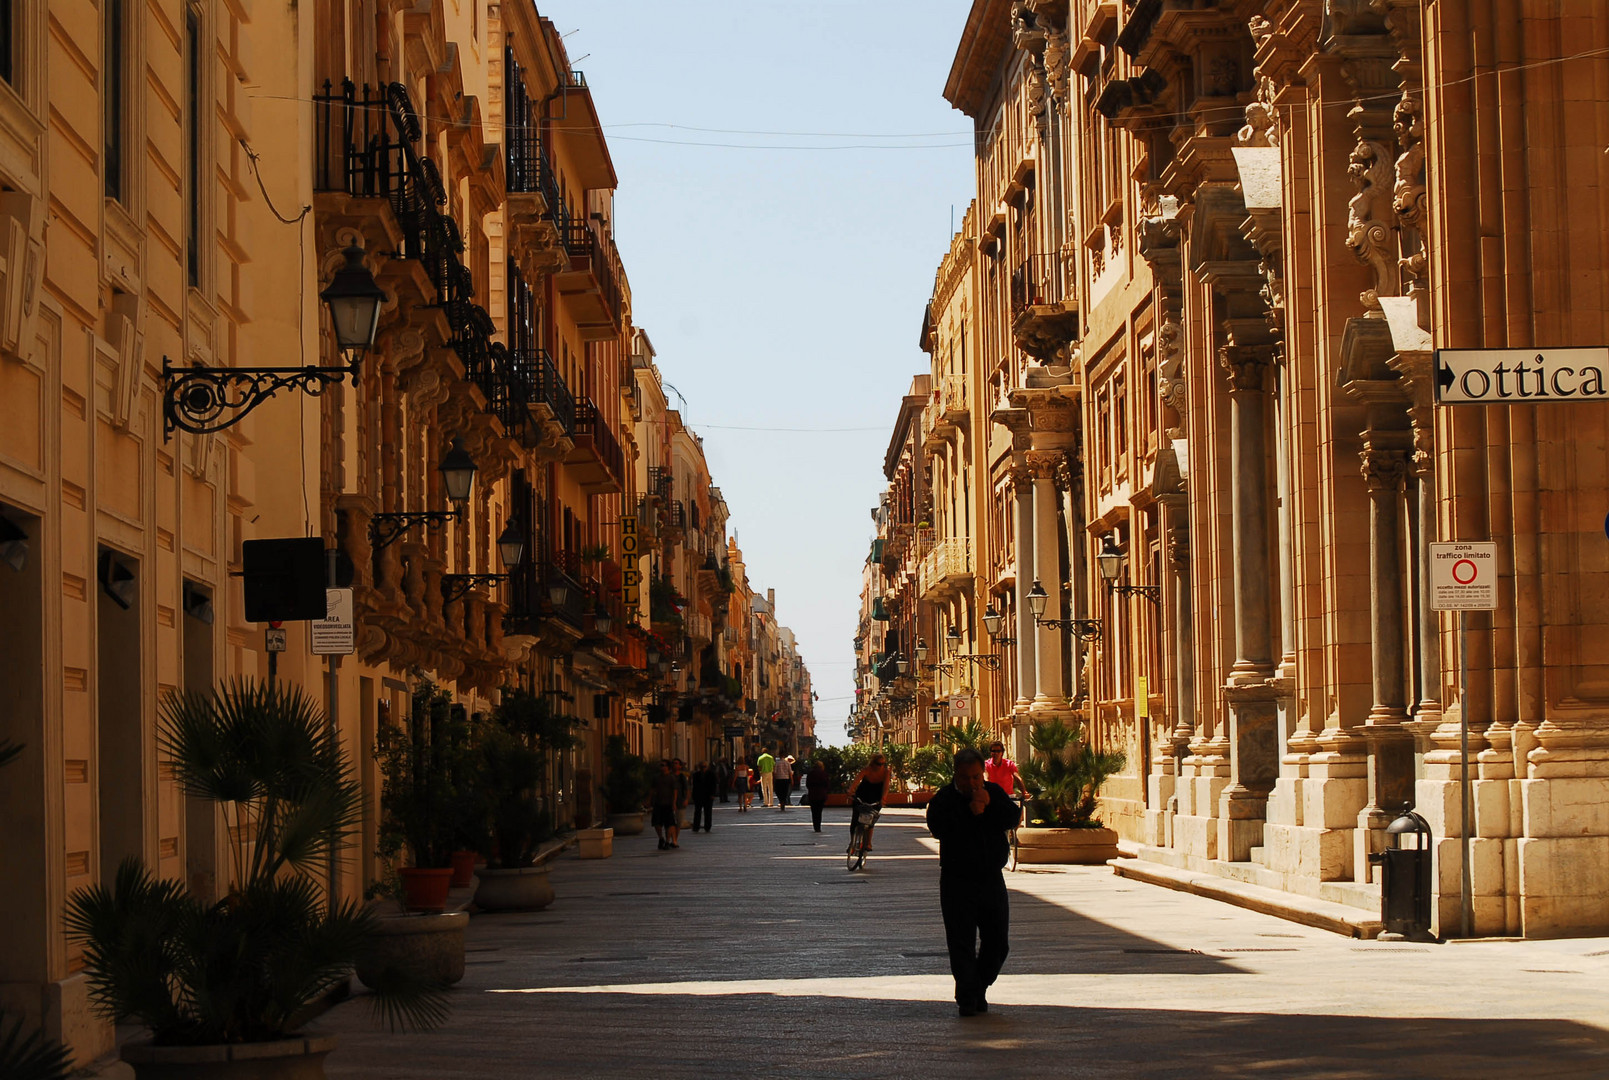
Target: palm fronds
pixel 25 1054
pixel 1066 773
pixel 254 966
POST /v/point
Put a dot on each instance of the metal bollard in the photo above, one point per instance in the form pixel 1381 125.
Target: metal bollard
pixel 1405 879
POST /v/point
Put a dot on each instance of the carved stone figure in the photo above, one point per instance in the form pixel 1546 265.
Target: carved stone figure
pixel 1368 218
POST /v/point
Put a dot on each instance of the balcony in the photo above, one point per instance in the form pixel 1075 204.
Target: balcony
pixel 541 388
pixel 590 282
pixel 953 398
pixel 1043 319
pixel 945 569
pixel 596 461
pixel 533 187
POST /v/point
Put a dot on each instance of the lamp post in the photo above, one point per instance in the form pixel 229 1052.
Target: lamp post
pixel 510 551
pixel 1110 564
pixel 203 400
pixel 1084 629
pixel 457 470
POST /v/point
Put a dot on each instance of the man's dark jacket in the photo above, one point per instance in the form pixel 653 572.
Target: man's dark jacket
pixel 971 845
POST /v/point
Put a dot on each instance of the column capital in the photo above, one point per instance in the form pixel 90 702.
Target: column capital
pixel 1383 468
pixel 1179 550
pixel 1043 464
pixel 1245 365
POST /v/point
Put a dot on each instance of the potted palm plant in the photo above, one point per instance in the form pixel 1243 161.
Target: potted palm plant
pixel 1066 775
pixel 226 989
pixel 626 788
pixel 524 734
pixel 426 805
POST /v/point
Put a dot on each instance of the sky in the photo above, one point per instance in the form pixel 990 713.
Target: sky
pixel 782 276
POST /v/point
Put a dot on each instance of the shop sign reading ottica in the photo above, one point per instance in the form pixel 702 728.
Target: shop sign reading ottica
pixel 1520 376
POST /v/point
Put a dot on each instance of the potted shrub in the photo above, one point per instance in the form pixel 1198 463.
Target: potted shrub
pixel 426 767
pixel 524 734
pixel 225 989
pixel 1066 775
pixel 929 768
pixel 626 788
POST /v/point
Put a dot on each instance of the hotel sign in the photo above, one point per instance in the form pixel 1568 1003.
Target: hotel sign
pixel 1520 376
pixel 630 576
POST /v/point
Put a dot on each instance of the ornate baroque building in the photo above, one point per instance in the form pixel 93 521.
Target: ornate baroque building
pixel 1214 248
pixel 172 204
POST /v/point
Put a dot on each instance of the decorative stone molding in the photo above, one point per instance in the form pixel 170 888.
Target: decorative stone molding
pixel 1384 468
pixel 1369 218
pixel 1245 365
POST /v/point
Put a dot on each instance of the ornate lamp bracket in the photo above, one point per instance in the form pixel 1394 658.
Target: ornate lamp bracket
pixel 386 529
pixel 203 400
pixel 457 586
pixel 1083 629
pixel 1152 593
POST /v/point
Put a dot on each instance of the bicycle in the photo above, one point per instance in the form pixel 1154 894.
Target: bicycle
pixel 863 817
pixel 1022 806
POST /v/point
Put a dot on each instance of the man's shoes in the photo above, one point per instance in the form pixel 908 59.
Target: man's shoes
pixel 966 1008
pixel 663 845
pixel 982 1004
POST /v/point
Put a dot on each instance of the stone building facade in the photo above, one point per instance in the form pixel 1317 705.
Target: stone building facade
pixel 179 180
pixel 1216 248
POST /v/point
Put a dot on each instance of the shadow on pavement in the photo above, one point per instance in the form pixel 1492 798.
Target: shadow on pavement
pixel 625 1035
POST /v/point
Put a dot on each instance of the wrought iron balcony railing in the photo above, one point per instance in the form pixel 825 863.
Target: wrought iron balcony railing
pixel 589 424
pixel 1037 280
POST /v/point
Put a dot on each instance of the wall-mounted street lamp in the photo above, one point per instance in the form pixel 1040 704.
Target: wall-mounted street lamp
pixel 921 650
pixel 991 623
pixel 1083 629
pixel 203 400
pixel 1110 564
pixel 510 551
pixel 457 477
pixel 901 664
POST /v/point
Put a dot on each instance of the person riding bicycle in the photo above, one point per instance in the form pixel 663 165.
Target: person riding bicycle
pixel 999 769
pixel 870 787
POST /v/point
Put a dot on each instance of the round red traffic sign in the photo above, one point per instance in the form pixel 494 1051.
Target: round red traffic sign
pixel 1464 571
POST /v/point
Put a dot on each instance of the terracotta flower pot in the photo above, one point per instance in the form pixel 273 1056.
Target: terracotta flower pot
pixel 523 889
pixel 425 888
pixel 283 1059
pixel 838 798
pixel 464 868
pixel 627 824
pixel 1087 847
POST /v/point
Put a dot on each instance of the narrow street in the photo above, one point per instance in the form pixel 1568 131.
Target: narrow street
pixel 752 951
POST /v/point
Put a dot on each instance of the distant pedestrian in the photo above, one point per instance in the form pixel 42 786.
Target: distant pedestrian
pixel 684 791
pixel 999 769
pixel 766 766
pixel 704 783
pixel 662 798
pixel 784 781
pixel 817 784
pixel 970 817
pixel 742 776
pixel 723 777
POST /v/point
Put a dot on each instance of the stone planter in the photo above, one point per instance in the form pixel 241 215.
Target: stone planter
pixel 524 889
pixel 427 946
pixel 1084 847
pixel 627 824
pixel 283 1059
pixel 596 843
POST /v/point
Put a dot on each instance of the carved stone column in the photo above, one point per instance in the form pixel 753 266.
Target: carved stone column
pixel 1184 639
pixel 1253 731
pixel 1049 695
pixel 1026 631
pixel 1390 776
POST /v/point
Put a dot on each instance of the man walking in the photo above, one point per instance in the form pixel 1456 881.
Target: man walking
pixel 663 800
pixel 703 795
pixel 970 818
pixel 784 781
pixel 766 765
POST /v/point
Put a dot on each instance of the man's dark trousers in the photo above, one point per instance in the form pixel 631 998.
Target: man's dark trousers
pixel 703 809
pixel 977 916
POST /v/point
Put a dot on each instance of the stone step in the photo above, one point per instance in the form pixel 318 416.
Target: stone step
pixel 1309 911
pixel 1256 856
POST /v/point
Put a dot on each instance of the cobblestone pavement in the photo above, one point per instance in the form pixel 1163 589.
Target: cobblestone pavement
pixel 751 951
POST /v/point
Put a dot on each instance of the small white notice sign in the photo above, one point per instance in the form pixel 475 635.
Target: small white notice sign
pixel 336 633
pixel 960 705
pixel 1463 576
